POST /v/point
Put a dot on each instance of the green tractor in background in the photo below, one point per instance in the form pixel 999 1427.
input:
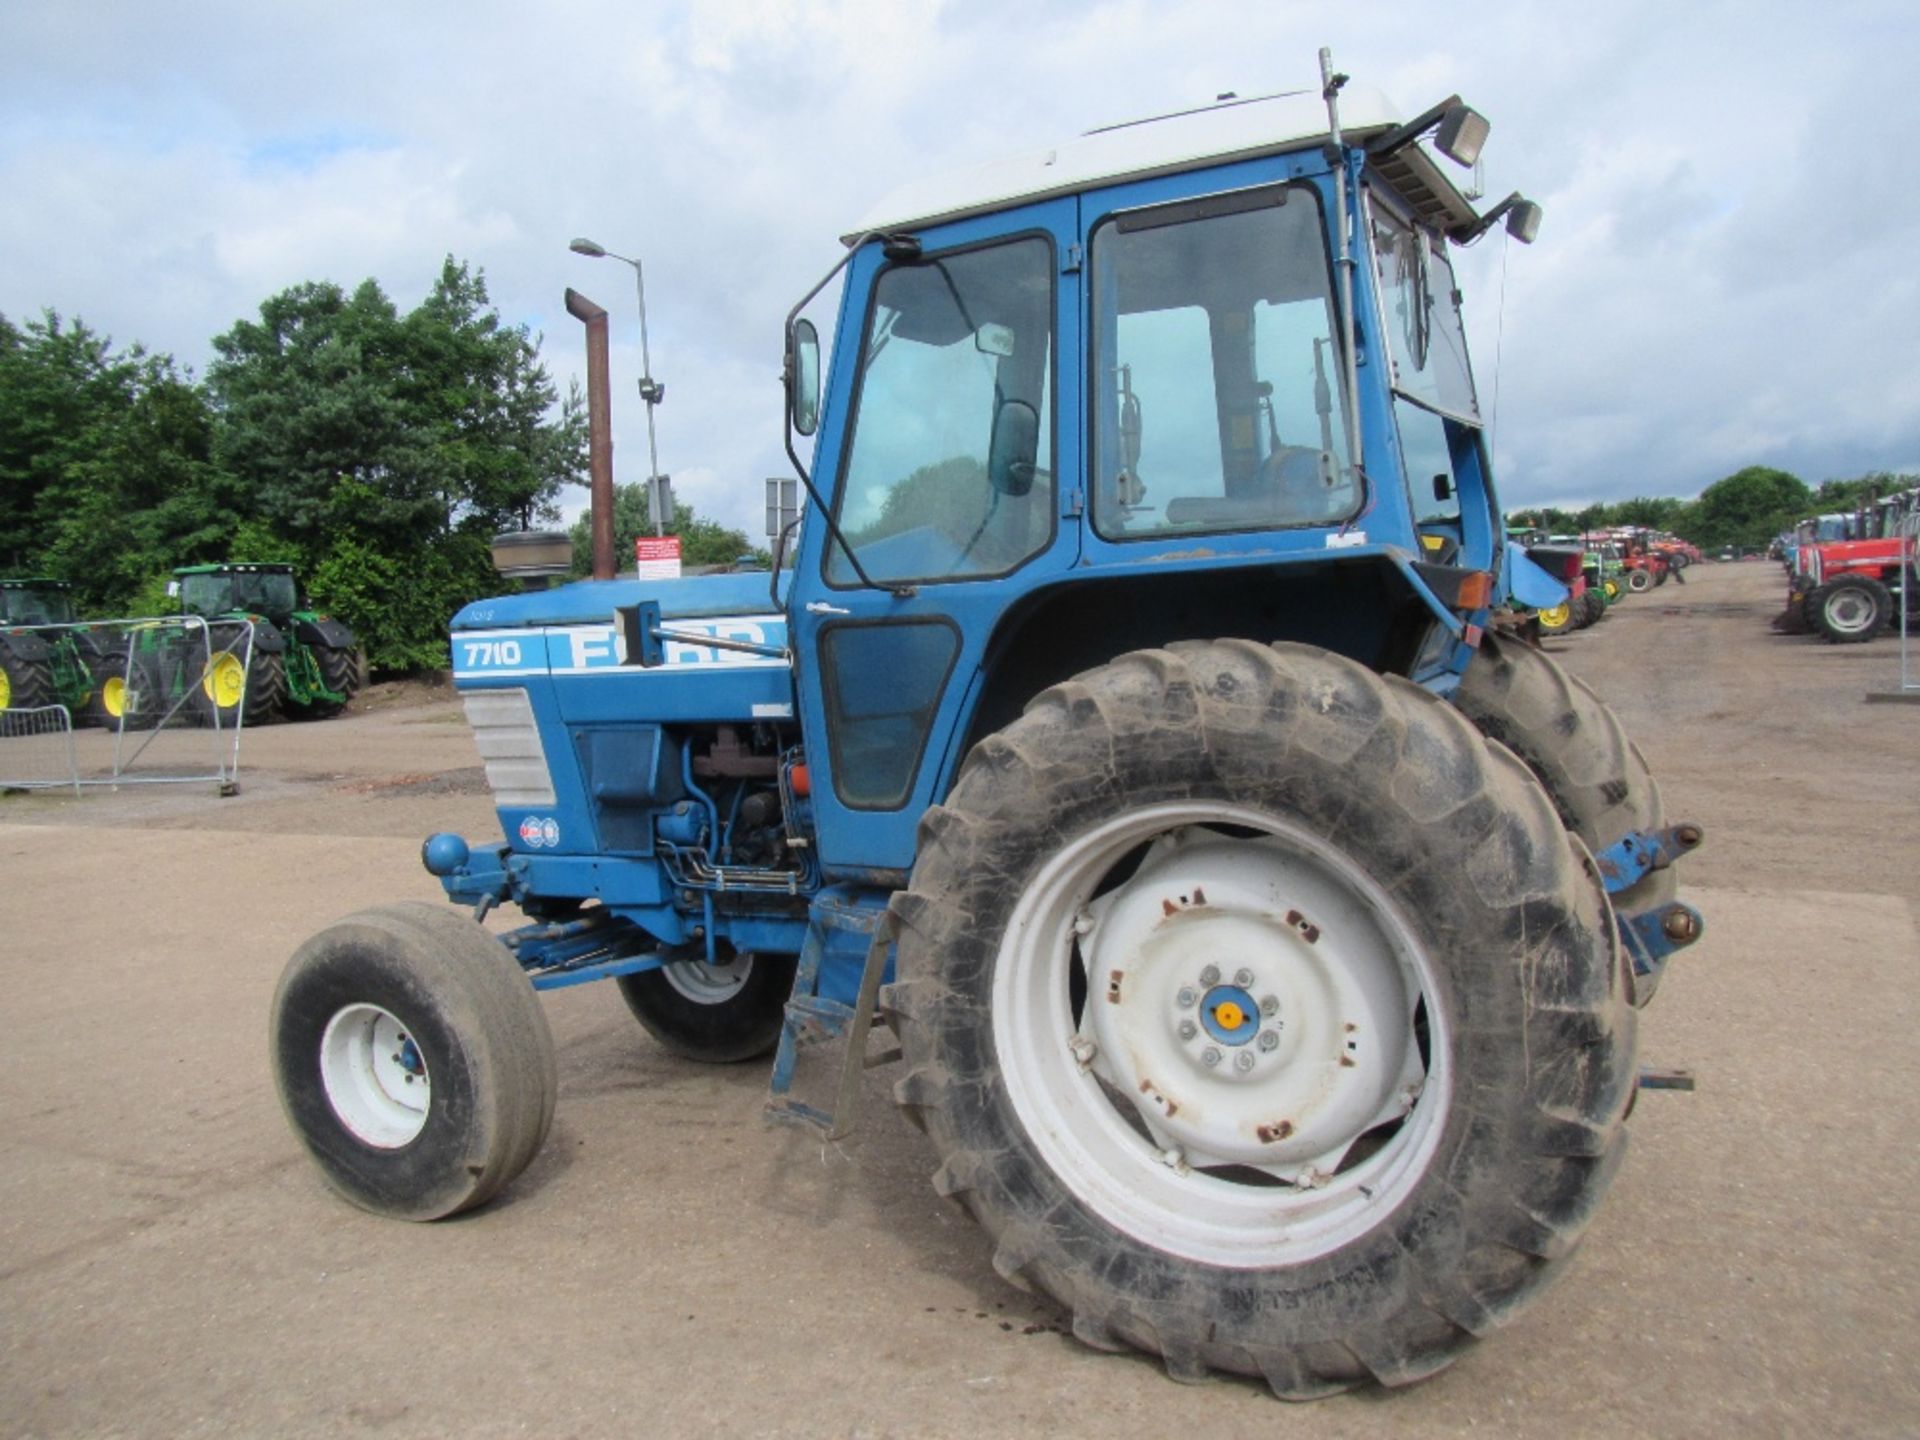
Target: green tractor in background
pixel 304 663
pixel 40 663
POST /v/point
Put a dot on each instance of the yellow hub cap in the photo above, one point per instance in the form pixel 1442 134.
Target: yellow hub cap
pixel 1229 1015
pixel 6 691
pixel 1556 618
pixel 113 696
pixel 225 681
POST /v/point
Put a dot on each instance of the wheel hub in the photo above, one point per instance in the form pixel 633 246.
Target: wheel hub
pixel 375 1076
pixel 1281 1062
pixel 1849 610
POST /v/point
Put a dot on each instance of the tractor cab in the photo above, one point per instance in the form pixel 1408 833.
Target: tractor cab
pixel 1179 376
pixel 221 591
pixel 36 602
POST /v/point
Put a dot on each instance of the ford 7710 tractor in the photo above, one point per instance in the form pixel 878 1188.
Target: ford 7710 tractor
pixel 1125 725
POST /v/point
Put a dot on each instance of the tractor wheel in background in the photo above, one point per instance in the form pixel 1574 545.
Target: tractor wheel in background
pixel 717 1014
pixel 1575 746
pixel 24 684
pixel 1639 581
pixel 228 681
pixel 1660 576
pixel 339 672
pixel 1247 1133
pixel 1556 619
pixel 141 696
pixel 1850 610
pixel 1580 614
pixel 1592 608
pixel 1612 587
pixel 413 1060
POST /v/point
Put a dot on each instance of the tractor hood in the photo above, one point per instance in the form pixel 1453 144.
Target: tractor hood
pixel 563 649
pixel 594 601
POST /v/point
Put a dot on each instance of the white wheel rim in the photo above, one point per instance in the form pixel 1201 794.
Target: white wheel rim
pixel 706 984
pixel 1849 611
pixel 375 1076
pixel 1365 954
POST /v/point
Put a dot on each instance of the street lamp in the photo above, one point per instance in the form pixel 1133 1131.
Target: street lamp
pixel 651 390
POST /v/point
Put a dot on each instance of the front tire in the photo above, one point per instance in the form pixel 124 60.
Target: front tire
pixel 1439 1110
pixel 413 1060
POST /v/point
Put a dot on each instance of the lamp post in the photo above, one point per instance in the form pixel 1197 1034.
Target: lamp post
pixel 651 391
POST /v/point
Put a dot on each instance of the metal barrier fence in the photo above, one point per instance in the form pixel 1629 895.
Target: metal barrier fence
pixel 36 748
pixel 146 701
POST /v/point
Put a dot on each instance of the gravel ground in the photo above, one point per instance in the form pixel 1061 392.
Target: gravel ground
pixel 170 1264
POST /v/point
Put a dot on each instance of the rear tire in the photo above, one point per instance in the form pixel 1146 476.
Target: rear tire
pixel 1639 581
pixel 1059 884
pixel 462 1101
pixel 1574 744
pixel 1851 610
pixel 24 684
pixel 716 1014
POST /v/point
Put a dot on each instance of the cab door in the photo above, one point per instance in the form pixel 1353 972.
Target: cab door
pixel 954 482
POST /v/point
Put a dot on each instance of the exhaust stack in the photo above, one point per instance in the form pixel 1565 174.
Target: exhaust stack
pixel 599 430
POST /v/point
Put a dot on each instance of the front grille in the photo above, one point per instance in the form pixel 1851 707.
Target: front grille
pixel 509 741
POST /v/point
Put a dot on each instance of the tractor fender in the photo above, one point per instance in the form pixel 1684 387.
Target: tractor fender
pixel 323 630
pixel 25 646
pixel 267 638
pixel 1529 585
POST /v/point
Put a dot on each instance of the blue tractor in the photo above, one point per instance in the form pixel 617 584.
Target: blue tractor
pixel 1129 725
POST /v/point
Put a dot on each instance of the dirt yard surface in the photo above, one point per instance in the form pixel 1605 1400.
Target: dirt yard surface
pixel 171 1264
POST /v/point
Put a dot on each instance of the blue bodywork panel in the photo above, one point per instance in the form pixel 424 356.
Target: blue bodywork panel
pixel 1528 584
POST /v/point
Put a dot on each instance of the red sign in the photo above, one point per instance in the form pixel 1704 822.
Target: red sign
pixel 657 557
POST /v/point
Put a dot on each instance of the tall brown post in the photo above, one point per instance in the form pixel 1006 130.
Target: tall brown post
pixel 599 430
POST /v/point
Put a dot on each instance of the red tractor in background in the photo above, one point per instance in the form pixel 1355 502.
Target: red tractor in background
pixel 1646 566
pixel 1850 589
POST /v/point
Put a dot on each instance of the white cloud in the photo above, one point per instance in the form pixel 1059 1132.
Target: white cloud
pixel 1721 278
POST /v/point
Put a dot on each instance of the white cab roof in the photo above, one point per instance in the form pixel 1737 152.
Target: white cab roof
pixel 1230 130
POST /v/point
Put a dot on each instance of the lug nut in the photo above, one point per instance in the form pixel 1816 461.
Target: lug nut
pixel 1269 1040
pixel 1679 924
pixel 1187 997
pixel 1083 1052
pixel 1210 975
pixel 1269 1005
pixel 1210 1056
pixel 1188 1029
pixel 1243 1062
pixel 1243 978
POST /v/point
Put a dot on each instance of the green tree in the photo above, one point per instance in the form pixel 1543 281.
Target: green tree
pixel 106 470
pixel 387 449
pixel 702 542
pixel 1748 507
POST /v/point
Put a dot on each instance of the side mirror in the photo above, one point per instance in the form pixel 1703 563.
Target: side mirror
pixel 1442 487
pixel 1016 445
pixel 802 376
pixel 173 589
pixel 1523 221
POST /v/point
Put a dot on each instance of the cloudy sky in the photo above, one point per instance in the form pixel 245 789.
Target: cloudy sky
pixel 1723 277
